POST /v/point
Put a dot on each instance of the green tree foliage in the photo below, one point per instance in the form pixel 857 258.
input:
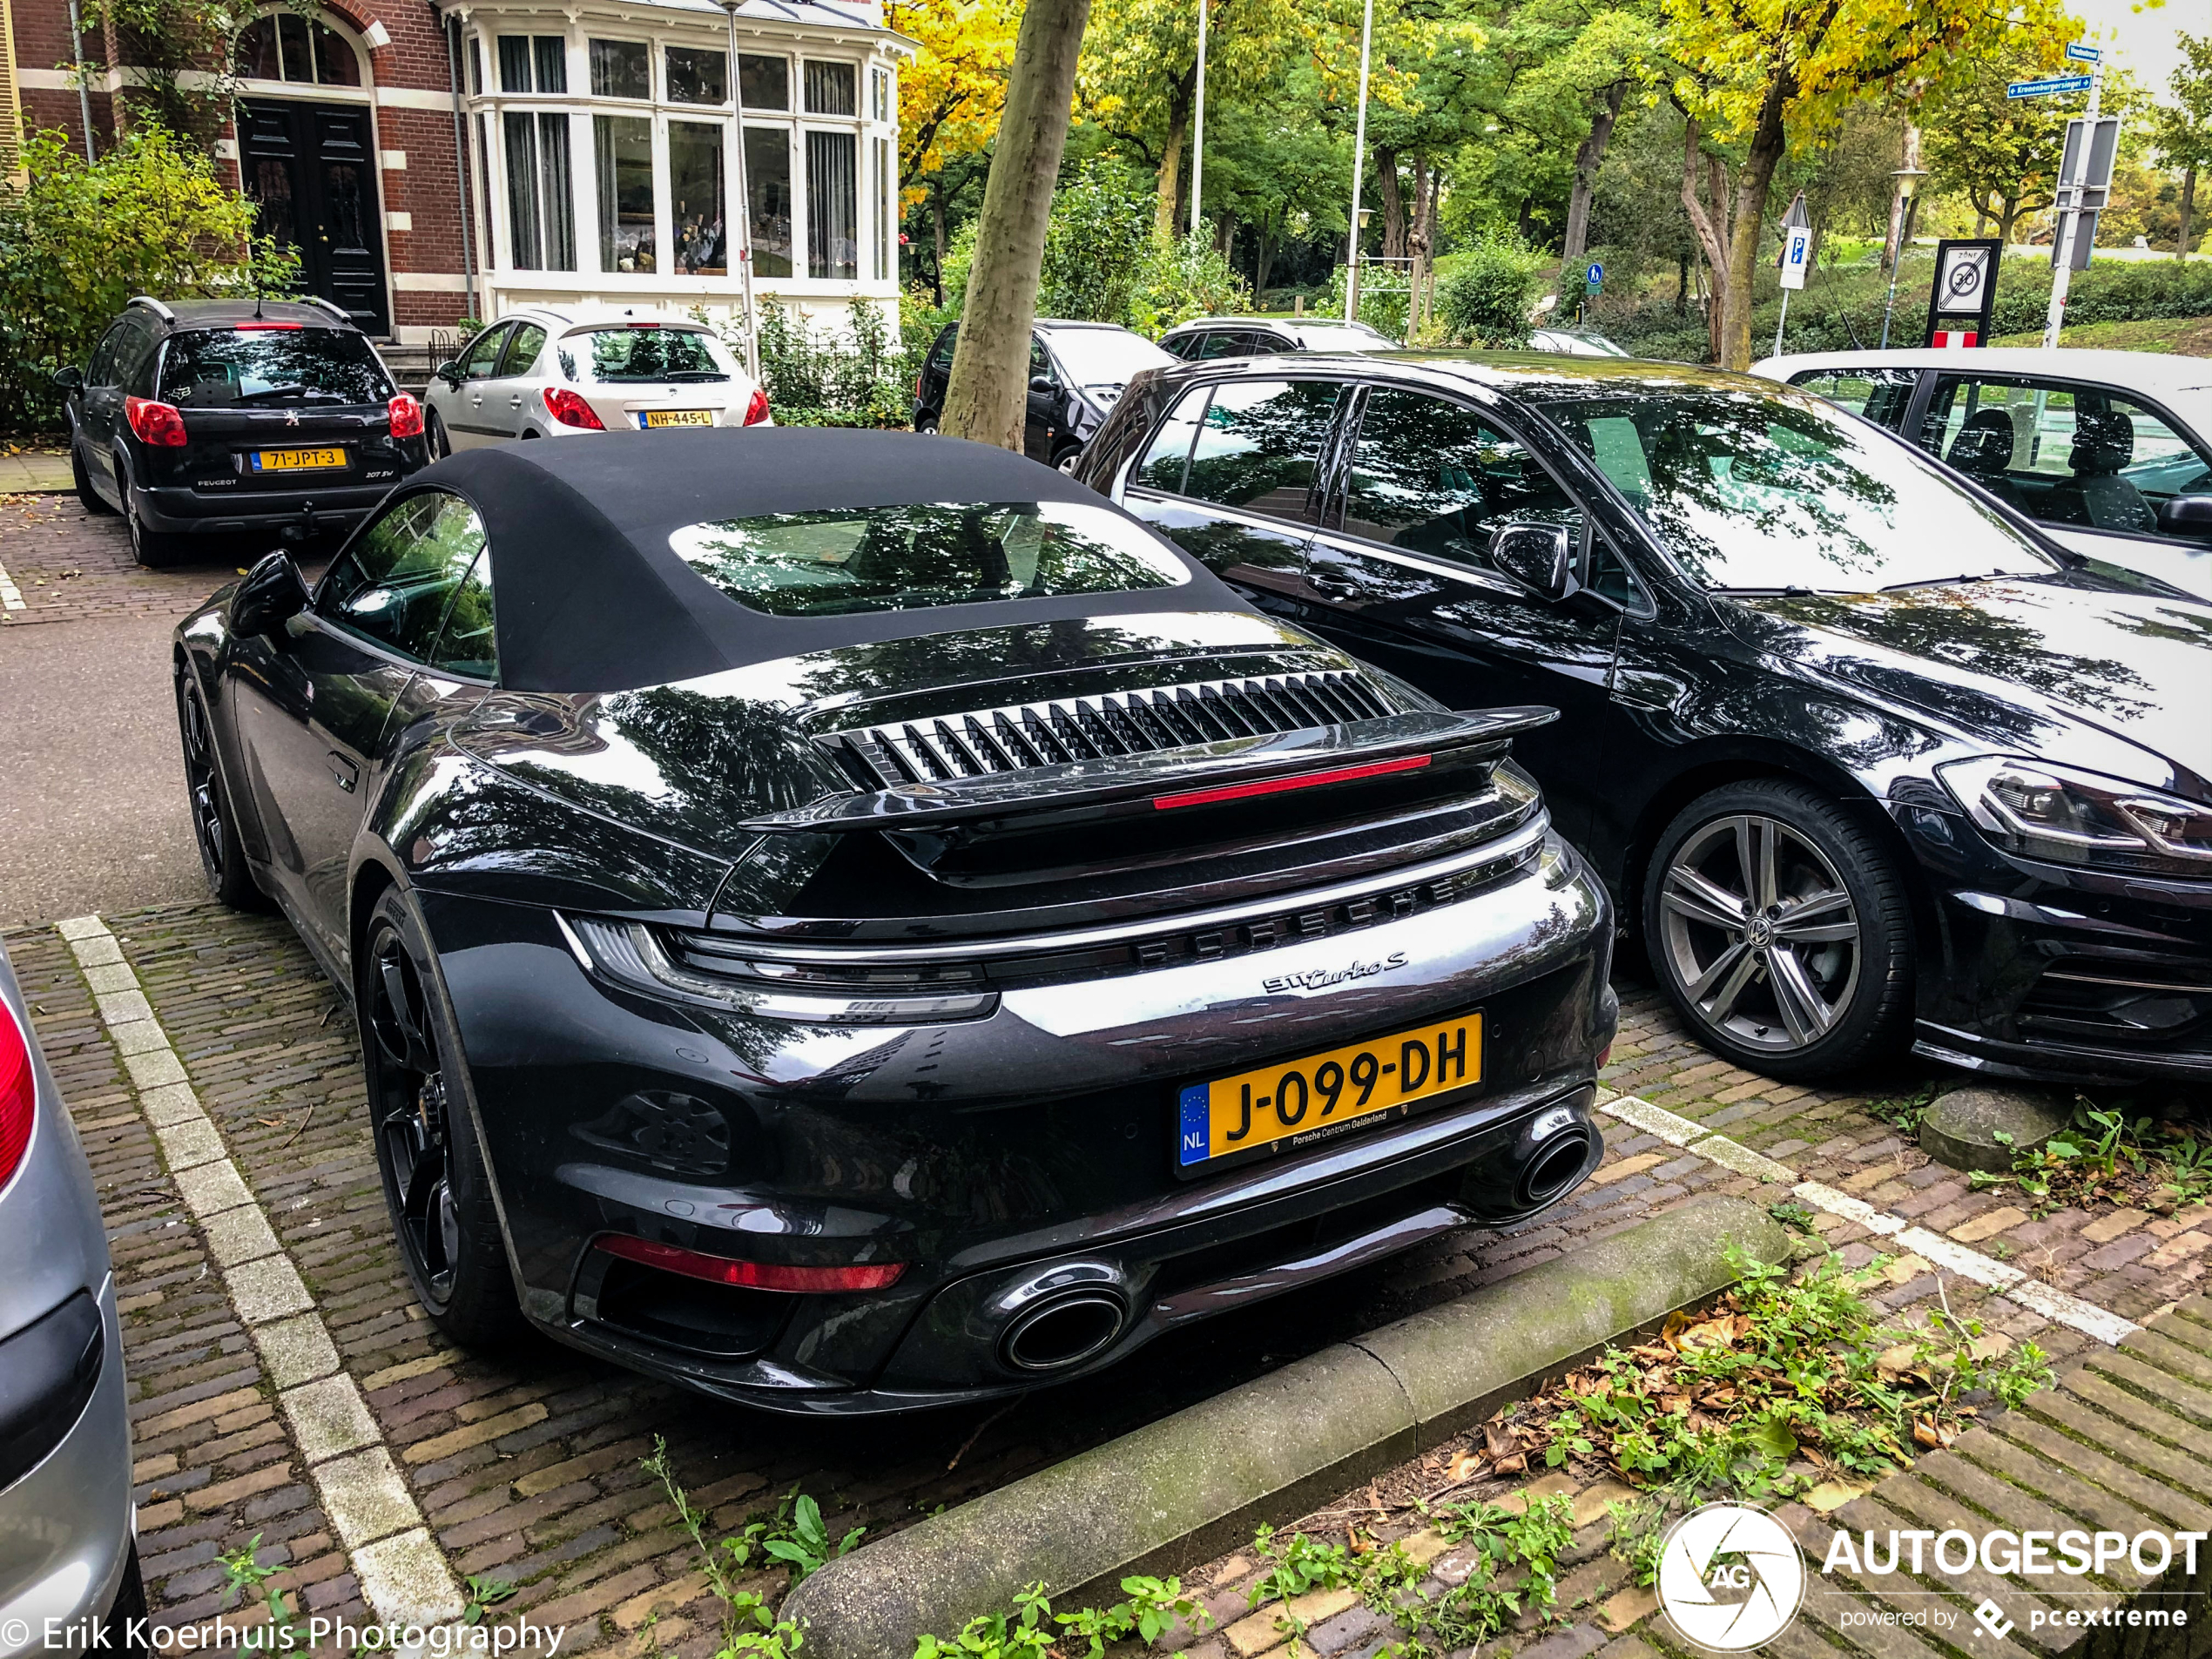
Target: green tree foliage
pixel 80 238
pixel 2181 131
pixel 1485 298
pixel 2002 153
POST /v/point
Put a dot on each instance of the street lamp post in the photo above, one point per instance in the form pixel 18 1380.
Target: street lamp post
pixel 1908 182
pixel 1198 130
pixel 1358 155
pixel 743 215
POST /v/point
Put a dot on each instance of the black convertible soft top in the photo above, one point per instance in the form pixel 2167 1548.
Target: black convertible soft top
pixel 590 596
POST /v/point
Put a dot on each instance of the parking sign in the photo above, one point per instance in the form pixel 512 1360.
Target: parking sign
pixel 1797 255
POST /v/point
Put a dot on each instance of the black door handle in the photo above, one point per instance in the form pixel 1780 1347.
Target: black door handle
pixel 345 772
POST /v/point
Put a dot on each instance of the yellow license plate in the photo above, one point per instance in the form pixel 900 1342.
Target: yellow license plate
pixel 679 417
pixel 298 460
pixel 1306 1100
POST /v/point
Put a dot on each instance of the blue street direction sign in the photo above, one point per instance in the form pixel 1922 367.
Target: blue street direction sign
pixel 2055 83
pixel 1596 274
pixel 2082 54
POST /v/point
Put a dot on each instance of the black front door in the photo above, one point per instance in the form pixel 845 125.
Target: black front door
pixel 311 169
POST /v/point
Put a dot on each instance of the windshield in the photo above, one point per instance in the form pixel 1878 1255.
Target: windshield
pixel 1341 336
pixel 272 363
pixel 1777 492
pixel 932 553
pixel 1104 356
pixel 626 356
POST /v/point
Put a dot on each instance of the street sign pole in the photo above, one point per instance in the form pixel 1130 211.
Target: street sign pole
pixel 1358 154
pixel 1797 255
pixel 1198 128
pixel 2069 225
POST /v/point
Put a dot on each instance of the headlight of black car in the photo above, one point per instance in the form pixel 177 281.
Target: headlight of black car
pixel 2069 816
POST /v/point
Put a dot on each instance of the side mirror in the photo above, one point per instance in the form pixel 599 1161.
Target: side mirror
pixel 68 377
pixel 450 372
pixel 1539 558
pixel 1041 384
pixel 272 593
pixel 2186 515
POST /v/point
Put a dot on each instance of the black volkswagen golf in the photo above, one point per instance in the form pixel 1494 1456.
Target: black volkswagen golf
pixel 850 922
pixel 1864 757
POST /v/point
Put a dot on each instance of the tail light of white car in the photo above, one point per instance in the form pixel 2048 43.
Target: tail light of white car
pixel 570 410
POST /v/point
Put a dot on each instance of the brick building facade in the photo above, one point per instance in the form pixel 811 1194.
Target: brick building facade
pixel 434 162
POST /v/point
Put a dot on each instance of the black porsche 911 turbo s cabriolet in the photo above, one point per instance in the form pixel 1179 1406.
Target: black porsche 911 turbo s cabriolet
pixel 850 923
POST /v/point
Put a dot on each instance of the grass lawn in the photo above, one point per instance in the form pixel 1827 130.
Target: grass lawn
pixel 2186 336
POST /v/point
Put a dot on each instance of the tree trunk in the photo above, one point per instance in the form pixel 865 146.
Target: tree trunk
pixel 1731 241
pixel 937 218
pixel 2008 214
pixel 1589 156
pixel 988 396
pixel 1681 291
pixel 1417 241
pixel 1393 202
pixel 1525 222
pixel 1262 256
pixel 2189 201
pixel 1167 207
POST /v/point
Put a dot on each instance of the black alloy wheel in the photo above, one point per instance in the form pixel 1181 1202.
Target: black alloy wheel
pixel 80 475
pixel 208 798
pixel 156 550
pixel 439 444
pixel 926 424
pixel 434 1184
pixel 1780 930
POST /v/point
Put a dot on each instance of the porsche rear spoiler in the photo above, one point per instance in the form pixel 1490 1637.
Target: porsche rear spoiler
pixel 1234 769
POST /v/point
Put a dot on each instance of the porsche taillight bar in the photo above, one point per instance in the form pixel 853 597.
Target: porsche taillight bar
pixel 1197 774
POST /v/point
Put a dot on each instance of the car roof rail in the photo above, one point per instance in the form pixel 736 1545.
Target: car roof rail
pixel 154 305
pixel 337 310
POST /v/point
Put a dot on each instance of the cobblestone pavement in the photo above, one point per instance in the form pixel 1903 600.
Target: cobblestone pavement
pixel 526 1465
pixel 66 563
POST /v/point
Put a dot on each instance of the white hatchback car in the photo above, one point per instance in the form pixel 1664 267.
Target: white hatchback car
pixel 542 373
pixel 2109 451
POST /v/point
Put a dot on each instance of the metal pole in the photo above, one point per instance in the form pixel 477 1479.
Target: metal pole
pixel 1198 131
pixel 1780 321
pixel 2069 225
pixel 1358 155
pixel 744 205
pixel 83 97
pixel 462 169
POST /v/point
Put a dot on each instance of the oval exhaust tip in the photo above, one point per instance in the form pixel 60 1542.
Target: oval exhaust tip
pixel 1063 1331
pixel 1554 1167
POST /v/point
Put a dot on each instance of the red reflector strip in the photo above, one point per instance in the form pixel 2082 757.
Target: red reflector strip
pixel 758 1276
pixel 1277 786
pixel 248 327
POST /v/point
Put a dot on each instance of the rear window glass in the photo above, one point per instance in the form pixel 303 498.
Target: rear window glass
pixel 230 367
pixel 915 555
pixel 622 357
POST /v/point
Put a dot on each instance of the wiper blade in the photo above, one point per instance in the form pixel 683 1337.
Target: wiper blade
pixel 303 392
pixel 1953 581
pixel 1765 593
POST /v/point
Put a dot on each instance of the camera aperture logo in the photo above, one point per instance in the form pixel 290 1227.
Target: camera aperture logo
pixel 1730 1577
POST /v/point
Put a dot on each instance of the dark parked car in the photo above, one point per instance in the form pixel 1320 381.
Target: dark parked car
pixel 67 1553
pixel 1854 747
pixel 848 923
pixel 1203 338
pixel 225 417
pixel 1076 370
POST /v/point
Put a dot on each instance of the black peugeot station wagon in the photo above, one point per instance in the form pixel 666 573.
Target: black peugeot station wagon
pixel 850 922
pixel 224 417
pixel 1865 759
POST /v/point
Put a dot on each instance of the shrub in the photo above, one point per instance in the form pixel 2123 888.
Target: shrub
pixel 1386 298
pixel 1180 278
pixel 80 238
pixel 856 376
pixel 1484 299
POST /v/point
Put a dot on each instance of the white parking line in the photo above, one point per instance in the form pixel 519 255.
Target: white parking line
pixel 1947 1253
pixel 10 595
pixel 403 1574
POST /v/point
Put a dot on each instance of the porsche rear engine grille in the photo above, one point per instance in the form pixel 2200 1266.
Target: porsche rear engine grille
pixel 1096 728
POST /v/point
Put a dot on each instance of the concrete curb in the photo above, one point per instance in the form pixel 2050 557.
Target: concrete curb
pixel 1195 1484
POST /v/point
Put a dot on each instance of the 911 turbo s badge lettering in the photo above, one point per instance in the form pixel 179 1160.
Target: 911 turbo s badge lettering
pixel 1314 979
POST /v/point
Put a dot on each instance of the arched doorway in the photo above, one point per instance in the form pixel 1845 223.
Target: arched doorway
pixel 307 157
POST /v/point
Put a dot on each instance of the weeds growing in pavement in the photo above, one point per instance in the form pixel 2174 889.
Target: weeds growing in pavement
pixel 244 1577
pixel 484 1593
pixel 749 1626
pixel 1033 1630
pixel 1903 1111
pixel 2110 1153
